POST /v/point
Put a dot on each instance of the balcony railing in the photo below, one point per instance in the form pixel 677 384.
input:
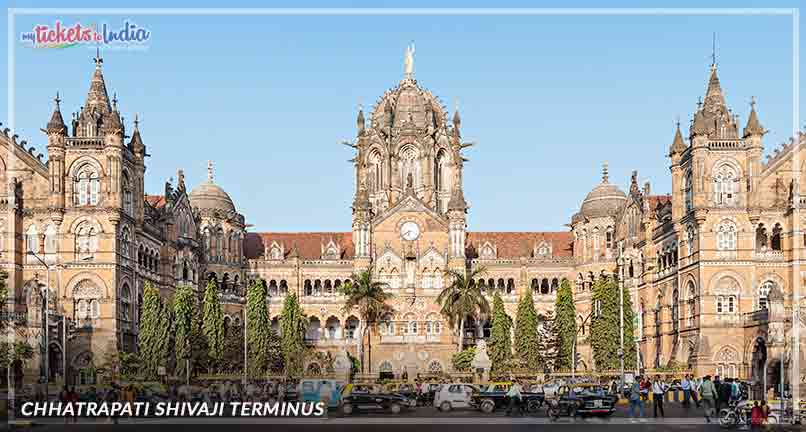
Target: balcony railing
pixel 85 142
pixel 756 317
pixel 769 255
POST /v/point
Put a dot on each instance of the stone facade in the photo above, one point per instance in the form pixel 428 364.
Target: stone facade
pixel 710 267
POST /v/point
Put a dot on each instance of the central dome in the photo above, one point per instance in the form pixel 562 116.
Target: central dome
pixel 408 103
pixel 604 200
pixel 210 196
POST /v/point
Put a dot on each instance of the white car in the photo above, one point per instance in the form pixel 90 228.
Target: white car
pixel 457 395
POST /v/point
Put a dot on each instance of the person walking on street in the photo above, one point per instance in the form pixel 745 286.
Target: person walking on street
pixel 695 390
pixel 719 393
pixel 514 395
pixel 658 393
pixel 325 391
pixel 708 396
pixel 636 401
pixel 685 385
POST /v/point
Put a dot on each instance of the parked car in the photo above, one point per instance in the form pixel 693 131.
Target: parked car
pixel 372 398
pixel 309 390
pixel 495 397
pixel 581 400
pixel 456 395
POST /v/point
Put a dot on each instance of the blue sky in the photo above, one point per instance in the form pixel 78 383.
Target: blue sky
pixel 547 99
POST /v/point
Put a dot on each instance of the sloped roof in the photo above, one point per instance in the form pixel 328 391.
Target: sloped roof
pixel 156 201
pixel 309 244
pixel 521 244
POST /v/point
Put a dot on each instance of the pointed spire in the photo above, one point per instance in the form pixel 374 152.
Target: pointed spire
pixel 753 127
pixel 136 143
pixel 56 123
pixel 457 201
pixel 678 145
pixel 605 174
pixel 457 120
pixel 97 97
pixel 359 121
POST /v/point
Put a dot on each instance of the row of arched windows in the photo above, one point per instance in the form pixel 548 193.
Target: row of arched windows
pixel 545 286
pixel 148 258
pixel 768 240
pixel 223 246
pixel 503 286
pixel 319 287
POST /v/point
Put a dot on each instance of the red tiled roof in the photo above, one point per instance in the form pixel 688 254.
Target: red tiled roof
pixel 656 200
pixel 309 244
pixel 521 244
pixel 156 201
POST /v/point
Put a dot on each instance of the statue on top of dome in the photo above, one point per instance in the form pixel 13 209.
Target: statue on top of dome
pixel 408 61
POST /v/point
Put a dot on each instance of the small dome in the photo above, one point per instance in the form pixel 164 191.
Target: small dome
pixel 210 196
pixel 604 200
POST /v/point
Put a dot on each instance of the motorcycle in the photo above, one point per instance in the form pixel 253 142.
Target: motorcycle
pixel 736 414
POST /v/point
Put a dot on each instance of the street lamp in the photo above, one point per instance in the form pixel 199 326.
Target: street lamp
pixel 620 263
pixel 46 325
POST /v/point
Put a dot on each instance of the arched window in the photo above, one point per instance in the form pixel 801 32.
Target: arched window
pixel 86 243
pixel 87 186
pixel 50 242
pixel 675 311
pixel 764 294
pixel 595 240
pixel 435 367
pixel 411 324
pixel 441 179
pixel 128 201
pixel 761 238
pixel 410 167
pixel 32 239
pixel 387 326
pixel 375 176
pixel 308 290
pixel 726 236
pixel 87 295
pixel 692 303
pixel 775 241
pixel 125 302
pixel 688 192
pixel 725 181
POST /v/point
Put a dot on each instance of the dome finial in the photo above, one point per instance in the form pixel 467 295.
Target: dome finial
pixel 605 177
pixel 98 59
pixel 408 61
pixel 58 100
pixel 210 170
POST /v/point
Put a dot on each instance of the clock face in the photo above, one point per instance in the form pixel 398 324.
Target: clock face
pixel 409 231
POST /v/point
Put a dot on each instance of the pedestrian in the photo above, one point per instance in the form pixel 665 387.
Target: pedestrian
pixel 708 396
pixel 685 385
pixel 756 416
pixel 765 412
pixel 658 393
pixel 112 397
pixel 514 395
pixel 695 390
pixel 325 391
pixel 645 386
pixel 64 399
pixel 73 397
pixel 636 401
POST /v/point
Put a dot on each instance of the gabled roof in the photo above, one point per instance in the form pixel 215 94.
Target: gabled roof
pixel 309 244
pixel 520 244
pixel 156 201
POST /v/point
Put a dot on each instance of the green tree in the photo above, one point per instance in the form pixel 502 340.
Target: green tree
pixel 213 323
pixel 293 325
pixel 154 332
pixel 258 329
pixel 565 325
pixel 463 359
pixel 500 338
pixel 233 349
pixel 19 351
pixel 184 315
pixel 527 348
pixel 630 354
pixel 462 298
pixel 370 298
pixel 547 340
pixel 605 338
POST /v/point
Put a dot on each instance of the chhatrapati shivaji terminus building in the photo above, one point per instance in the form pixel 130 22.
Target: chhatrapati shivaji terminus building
pixel 709 267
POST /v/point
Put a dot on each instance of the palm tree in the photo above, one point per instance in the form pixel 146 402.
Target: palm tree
pixel 368 295
pixel 462 298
